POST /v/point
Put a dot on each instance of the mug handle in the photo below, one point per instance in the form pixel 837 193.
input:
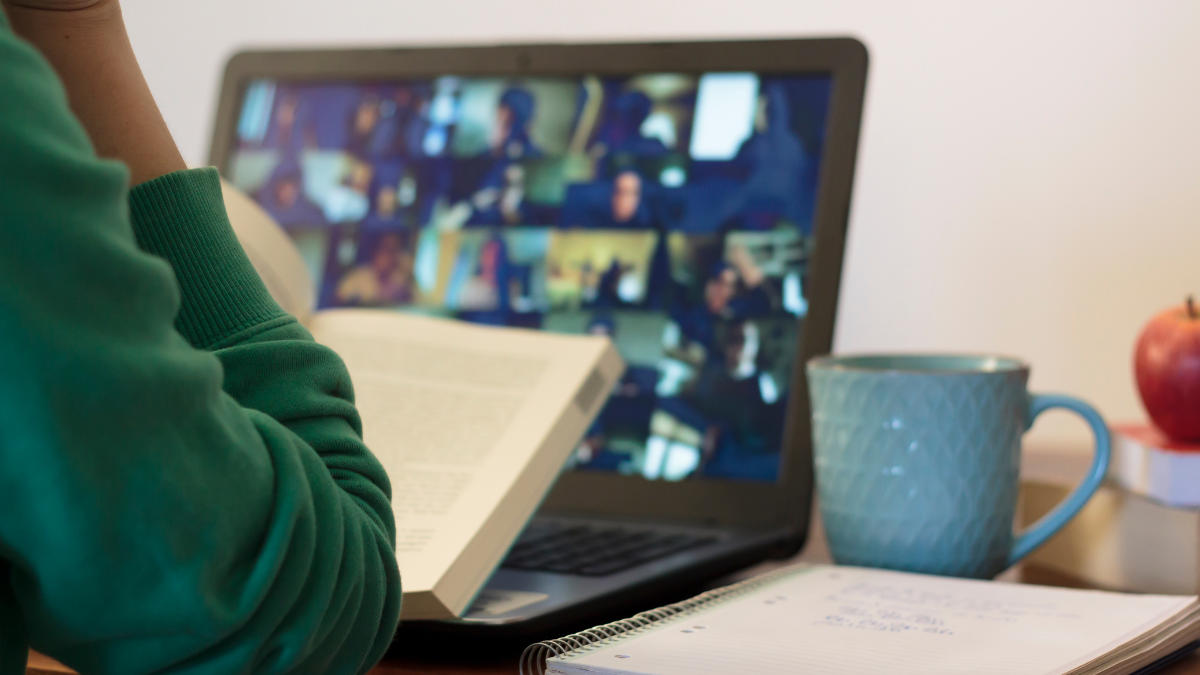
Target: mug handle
pixel 1035 535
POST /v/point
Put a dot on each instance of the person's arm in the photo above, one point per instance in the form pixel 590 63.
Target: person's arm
pixel 149 522
pixel 751 274
pixel 86 43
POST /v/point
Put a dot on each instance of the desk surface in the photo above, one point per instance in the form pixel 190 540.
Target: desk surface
pixel 507 664
pixel 468 663
pixel 40 665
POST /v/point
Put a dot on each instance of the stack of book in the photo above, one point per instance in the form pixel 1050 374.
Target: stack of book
pixel 1141 531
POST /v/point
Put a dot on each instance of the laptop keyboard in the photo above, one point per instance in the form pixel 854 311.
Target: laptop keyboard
pixel 593 551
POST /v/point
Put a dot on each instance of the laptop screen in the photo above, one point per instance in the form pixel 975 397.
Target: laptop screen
pixel 671 212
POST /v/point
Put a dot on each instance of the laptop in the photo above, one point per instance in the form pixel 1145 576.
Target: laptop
pixel 689 200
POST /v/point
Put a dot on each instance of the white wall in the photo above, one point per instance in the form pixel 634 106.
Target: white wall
pixel 1028 180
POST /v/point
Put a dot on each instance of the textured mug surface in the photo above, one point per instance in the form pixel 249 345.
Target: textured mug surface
pixel 918 460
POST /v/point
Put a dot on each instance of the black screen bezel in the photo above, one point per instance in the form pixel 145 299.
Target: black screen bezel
pixel 784 504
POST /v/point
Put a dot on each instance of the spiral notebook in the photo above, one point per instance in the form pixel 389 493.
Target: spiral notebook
pixel 853 621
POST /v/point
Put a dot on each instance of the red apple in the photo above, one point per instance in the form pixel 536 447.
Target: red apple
pixel 1167 364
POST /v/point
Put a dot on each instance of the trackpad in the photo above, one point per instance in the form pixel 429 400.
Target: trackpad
pixel 493 602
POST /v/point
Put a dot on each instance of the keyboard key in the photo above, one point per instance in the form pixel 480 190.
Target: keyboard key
pixel 609 567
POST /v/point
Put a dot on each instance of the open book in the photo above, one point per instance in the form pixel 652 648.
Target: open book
pixel 854 621
pixel 472 423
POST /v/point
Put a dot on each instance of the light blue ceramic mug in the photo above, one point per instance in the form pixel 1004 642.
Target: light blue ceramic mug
pixel 918 460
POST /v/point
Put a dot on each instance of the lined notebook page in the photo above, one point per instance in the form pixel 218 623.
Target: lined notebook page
pixel 850 621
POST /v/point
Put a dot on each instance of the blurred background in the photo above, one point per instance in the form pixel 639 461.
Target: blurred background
pixel 1029 173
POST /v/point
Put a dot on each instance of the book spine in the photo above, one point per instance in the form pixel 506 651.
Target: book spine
pixel 1168 476
pixel 533 659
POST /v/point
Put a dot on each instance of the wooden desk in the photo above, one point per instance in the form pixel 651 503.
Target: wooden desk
pixel 507 664
pixel 40 665
pixel 467 662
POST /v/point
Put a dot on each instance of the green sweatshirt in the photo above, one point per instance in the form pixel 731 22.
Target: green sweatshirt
pixel 183 484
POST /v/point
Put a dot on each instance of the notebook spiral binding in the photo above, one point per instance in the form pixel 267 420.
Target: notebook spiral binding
pixel 533 659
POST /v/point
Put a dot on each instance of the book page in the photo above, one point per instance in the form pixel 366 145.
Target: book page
pixel 458 414
pixel 437 414
pixel 854 621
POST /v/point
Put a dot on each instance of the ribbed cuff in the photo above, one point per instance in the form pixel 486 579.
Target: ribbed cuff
pixel 181 217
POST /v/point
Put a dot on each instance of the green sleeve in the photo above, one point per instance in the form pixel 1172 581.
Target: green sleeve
pixel 183 485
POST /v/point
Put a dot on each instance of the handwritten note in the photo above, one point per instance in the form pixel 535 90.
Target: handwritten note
pixel 849 621
pixel 900 608
pixel 890 620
